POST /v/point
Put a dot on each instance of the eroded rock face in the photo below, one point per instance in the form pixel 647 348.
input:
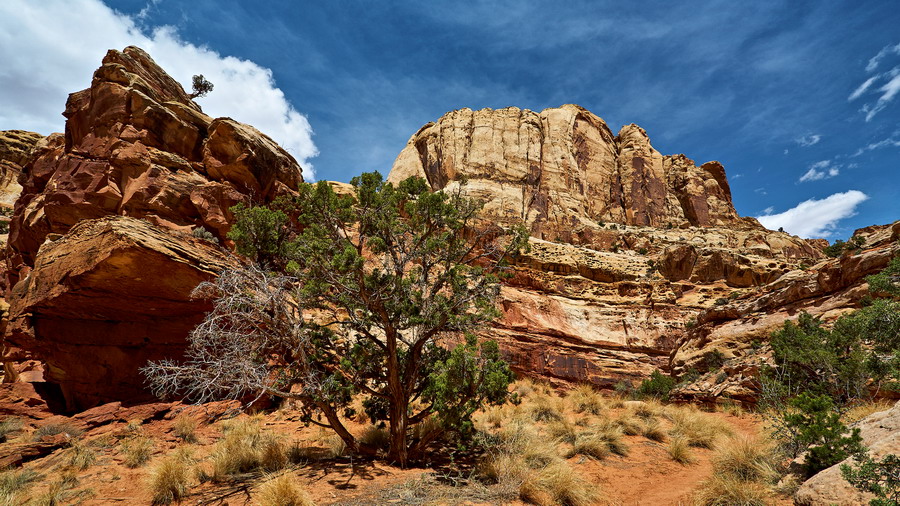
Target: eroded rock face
pixel 101 260
pixel 881 435
pixel 627 244
pixel 15 148
pixel 739 328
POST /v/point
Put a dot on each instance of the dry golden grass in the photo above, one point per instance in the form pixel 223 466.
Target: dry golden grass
pixel 169 479
pixel 563 430
pixel 80 456
pixel 545 408
pixel 57 492
pixel 745 458
pixel 631 424
pixel 700 429
pixel 731 491
pixel 680 451
pixel 246 447
pixel 185 427
pixel 585 399
pixel 9 426
pixel 136 451
pixel 378 437
pixel 283 490
pixel 13 484
pixel 335 446
pixel 864 409
pixel 654 431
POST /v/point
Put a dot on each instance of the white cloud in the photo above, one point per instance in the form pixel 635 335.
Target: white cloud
pixel 47 55
pixel 862 88
pixel 875 60
pixel 808 140
pixel 815 218
pixel 820 170
pixel 892 141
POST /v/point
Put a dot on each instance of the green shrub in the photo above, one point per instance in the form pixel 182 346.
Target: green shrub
pixel 835 250
pixel 657 385
pixel 881 478
pixel 819 429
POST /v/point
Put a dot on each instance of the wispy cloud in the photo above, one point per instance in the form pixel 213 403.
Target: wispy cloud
pixel 820 170
pixel 816 218
pixel 33 96
pixel 808 140
pixel 892 141
pixel 885 51
pixel 886 85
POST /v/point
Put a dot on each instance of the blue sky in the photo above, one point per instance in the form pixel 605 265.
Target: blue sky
pixel 776 91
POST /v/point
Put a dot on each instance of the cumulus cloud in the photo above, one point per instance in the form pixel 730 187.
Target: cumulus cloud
pixel 47 55
pixel 820 170
pixel 808 140
pixel 815 218
pixel 886 85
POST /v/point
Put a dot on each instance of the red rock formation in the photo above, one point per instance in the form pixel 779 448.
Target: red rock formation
pixel 100 251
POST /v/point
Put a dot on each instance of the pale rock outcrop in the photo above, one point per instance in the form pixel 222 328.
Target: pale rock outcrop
pixel 15 148
pixel 627 244
pixel 881 435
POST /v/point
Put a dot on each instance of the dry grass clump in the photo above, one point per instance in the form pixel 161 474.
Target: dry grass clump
pixel 700 429
pixel 169 479
pixel 585 399
pixel 137 451
pixel 15 483
pixel 247 447
pixel 185 427
pixel 545 408
pixel 631 425
pixel 743 471
pixel 525 465
pixel 730 491
pixel 864 409
pixel 654 431
pixel 9 426
pixel 57 492
pixel 379 437
pixel 283 490
pixel 53 429
pixel 563 430
pixel 80 456
pixel 745 458
pixel 679 449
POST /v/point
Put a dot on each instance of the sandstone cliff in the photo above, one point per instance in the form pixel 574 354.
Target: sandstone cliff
pixel 627 244
pixel 15 148
pixel 101 259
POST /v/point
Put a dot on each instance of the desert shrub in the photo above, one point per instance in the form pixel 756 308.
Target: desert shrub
pixel 680 450
pixel 642 251
pixel 9 426
pixel 283 490
pixel 723 490
pixel 586 399
pixel 881 478
pixel 377 437
pixel 54 429
pixel 818 429
pixel 745 458
pixel 185 427
pixel 887 281
pixel 136 450
pixel 624 389
pixel 691 323
pixel 80 456
pixel 169 479
pixel 246 447
pixel 835 249
pixel 721 301
pixel 206 235
pixel 13 484
pixel 658 385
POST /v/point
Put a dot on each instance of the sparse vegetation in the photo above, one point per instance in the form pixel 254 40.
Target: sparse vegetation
pixel 9 426
pixel 185 427
pixel 13 484
pixel 80 456
pixel 679 449
pixel 169 479
pixel 658 385
pixel 247 447
pixel 879 477
pixel 136 450
pixel 283 490
pixel 68 430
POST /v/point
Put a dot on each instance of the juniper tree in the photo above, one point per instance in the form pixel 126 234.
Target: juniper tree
pixel 374 294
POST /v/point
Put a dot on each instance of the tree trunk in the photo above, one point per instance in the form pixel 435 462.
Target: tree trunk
pixel 399 419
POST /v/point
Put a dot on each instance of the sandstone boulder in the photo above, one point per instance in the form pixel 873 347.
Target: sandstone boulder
pixel 881 435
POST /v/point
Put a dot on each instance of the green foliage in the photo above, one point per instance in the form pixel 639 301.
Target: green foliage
pixel 260 233
pixel 201 87
pixel 887 281
pixel 657 385
pixel 721 301
pixel 819 428
pixel 396 276
pixel 642 251
pixel 881 478
pixel 836 249
pixel 714 360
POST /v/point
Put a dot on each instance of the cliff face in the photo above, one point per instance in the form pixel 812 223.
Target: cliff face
pixel 15 148
pixel 627 244
pixel 101 259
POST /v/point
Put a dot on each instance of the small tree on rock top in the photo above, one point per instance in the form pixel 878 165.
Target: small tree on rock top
pixel 374 294
pixel 201 87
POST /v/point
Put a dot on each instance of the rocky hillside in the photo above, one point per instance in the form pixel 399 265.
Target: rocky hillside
pixel 628 245
pixel 118 221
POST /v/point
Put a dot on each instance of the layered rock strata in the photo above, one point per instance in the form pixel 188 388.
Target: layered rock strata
pixel 627 244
